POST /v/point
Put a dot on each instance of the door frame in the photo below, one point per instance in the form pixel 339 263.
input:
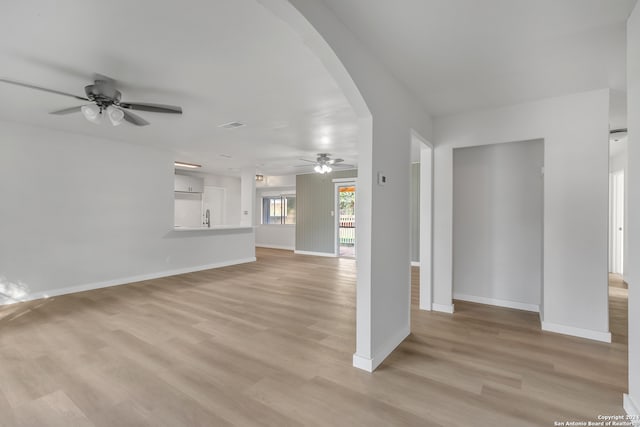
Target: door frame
pixel 426 221
pixel 616 222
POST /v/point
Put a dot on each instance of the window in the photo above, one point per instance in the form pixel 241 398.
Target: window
pixel 279 209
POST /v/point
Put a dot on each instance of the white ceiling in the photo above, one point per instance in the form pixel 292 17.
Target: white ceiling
pixel 222 61
pixel 459 55
pixel 232 60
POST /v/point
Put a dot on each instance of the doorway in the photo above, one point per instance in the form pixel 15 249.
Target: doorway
pixel 421 219
pixel 498 214
pixel 346 219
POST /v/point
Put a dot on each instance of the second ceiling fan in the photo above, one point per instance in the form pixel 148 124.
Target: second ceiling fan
pixel 325 164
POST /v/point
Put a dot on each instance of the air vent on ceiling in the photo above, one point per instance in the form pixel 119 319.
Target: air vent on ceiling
pixel 231 125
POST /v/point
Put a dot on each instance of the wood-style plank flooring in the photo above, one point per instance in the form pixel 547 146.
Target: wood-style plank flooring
pixel 270 343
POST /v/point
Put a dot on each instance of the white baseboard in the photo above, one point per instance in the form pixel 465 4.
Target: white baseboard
pixel 369 365
pixel 498 302
pixel 443 308
pixel 324 254
pixel 415 263
pixel 268 246
pixel 631 409
pixel 121 281
pixel 577 332
pixel 362 362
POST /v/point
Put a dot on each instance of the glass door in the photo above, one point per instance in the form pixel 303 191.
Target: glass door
pixel 346 220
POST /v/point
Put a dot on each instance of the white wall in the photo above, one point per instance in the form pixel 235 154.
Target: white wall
pixel 79 212
pixel 632 269
pixel 280 236
pixel 497 224
pixel 247 197
pixel 387 113
pixel 575 131
pixel 277 236
pixel 277 181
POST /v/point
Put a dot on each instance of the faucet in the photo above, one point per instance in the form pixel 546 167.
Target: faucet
pixel 207 219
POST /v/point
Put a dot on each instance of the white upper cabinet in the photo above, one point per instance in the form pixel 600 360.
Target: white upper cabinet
pixel 197 185
pixel 188 184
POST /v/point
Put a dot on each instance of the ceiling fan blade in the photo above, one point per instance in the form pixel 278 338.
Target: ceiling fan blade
pixel 344 165
pixel 30 86
pixel 67 110
pixel 154 108
pixel 134 118
pixel 309 161
pixel 334 161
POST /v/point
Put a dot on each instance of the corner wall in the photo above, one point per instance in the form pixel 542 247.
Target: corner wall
pixel 632 268
pixel 575 129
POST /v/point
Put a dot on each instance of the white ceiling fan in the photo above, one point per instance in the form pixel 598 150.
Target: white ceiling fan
pixel 325 164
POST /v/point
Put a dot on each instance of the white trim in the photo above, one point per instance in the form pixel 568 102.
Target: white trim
pixel 415 263
pixel 369 365
pixel 498 302
pixel 426 220
pixel 577 332
pixel 325 254
pixel 343 180
pixel 632 409
pixel 444 308
pixel 122 281
pixel 268 246
pixel 362 362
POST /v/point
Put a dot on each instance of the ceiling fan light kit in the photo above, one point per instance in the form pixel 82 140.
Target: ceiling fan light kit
pixel 324 163
pixel 94 113
pixel 322 169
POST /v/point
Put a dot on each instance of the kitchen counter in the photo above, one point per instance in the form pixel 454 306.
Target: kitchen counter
pixel 213 228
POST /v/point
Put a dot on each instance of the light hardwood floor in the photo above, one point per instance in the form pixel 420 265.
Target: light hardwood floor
pixel 270 343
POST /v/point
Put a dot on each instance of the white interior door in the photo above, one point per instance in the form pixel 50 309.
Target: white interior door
pixel 213 198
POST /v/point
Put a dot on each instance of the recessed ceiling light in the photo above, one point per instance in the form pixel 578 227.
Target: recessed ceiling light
pixel 186 165
pixel 231 125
